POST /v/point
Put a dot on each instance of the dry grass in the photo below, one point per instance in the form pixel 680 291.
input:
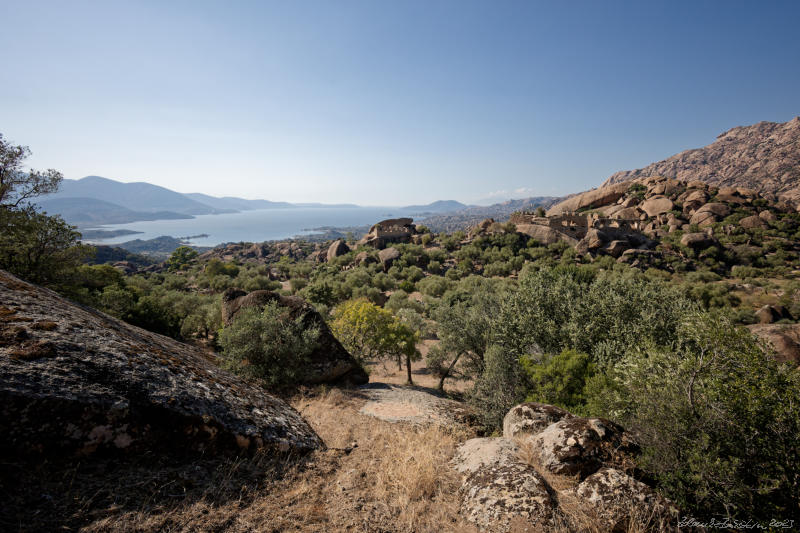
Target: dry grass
pixel 374 476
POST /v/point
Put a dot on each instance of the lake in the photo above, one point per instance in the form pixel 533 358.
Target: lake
pixel 253 226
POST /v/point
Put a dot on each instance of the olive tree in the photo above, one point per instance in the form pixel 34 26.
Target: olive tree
pixel 18 186
pixel 371 333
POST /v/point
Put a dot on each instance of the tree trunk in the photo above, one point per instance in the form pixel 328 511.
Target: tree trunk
pixel 408 368
pixel 447 373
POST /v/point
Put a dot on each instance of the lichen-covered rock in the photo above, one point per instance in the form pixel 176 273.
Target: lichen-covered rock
pixel 329 362
pixel 709 213
pixel 783 338
pixel 77 381
pixel 753 222
pixel 499 489
pixel 581 446
pixel 613 498
pixel 545 235
pixel 363 258
pixel 529 419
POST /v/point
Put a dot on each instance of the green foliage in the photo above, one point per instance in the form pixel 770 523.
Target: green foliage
pixel 559 379
pixel 214 267
pixel 500 386
pixel 269 345
pixel 603 316
pixel 371 333
pixel 19 185
pixel 718 418
pixel 181 258
pixel 37 247
pixel 637 190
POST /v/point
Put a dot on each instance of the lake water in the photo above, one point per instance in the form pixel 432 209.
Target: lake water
pixel 254 226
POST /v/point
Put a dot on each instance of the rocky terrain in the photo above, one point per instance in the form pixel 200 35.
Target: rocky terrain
pixel 647 219
pixel 764 157
pixel 551 470
pixel 75 381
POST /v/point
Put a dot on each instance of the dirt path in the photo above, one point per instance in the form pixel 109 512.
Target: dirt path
pixel 415 405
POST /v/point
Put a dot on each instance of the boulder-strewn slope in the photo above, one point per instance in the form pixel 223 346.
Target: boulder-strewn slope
pixel 764 157
pixel 76 381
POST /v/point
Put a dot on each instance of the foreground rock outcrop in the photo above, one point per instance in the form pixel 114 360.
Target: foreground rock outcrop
pixel 74 381
pixel 552 471
pixel 329 363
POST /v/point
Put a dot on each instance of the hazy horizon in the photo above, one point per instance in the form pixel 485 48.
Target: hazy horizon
pixel 378 103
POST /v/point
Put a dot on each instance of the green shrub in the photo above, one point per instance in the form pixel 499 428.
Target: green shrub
pixel 269 345
pixel 718 420
pixel 559 379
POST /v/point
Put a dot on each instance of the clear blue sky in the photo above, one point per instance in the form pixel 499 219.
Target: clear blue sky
pixel 386 102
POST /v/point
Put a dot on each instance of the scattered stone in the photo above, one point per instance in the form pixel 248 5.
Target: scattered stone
pixel 753 222
pixel 363 258
pixel 590 199
pixel 767 216
pixel 393 230
pixel 697 240
pixel 656 205
pixel 613 497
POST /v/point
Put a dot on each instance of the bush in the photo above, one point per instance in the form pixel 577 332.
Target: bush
pixel 269 345
pixel 718 419
pixel 560 379
pixel 568 308
pixel 500 386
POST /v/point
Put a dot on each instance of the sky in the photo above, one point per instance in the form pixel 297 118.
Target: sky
pixel 381 102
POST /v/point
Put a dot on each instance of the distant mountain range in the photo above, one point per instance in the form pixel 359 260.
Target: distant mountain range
pixel 440 206
pixel 94 201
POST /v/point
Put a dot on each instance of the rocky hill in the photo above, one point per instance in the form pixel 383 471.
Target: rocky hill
pixel 764 157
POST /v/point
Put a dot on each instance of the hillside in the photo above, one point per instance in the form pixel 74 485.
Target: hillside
pixel 238 204
pixel 138 196
pixel 92 212
pixel 439 206
pixel 764 157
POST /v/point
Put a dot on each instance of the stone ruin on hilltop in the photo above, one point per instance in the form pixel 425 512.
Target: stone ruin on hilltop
pixel 393 230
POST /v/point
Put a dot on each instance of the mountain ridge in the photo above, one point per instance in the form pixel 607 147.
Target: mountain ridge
pixel 764 157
